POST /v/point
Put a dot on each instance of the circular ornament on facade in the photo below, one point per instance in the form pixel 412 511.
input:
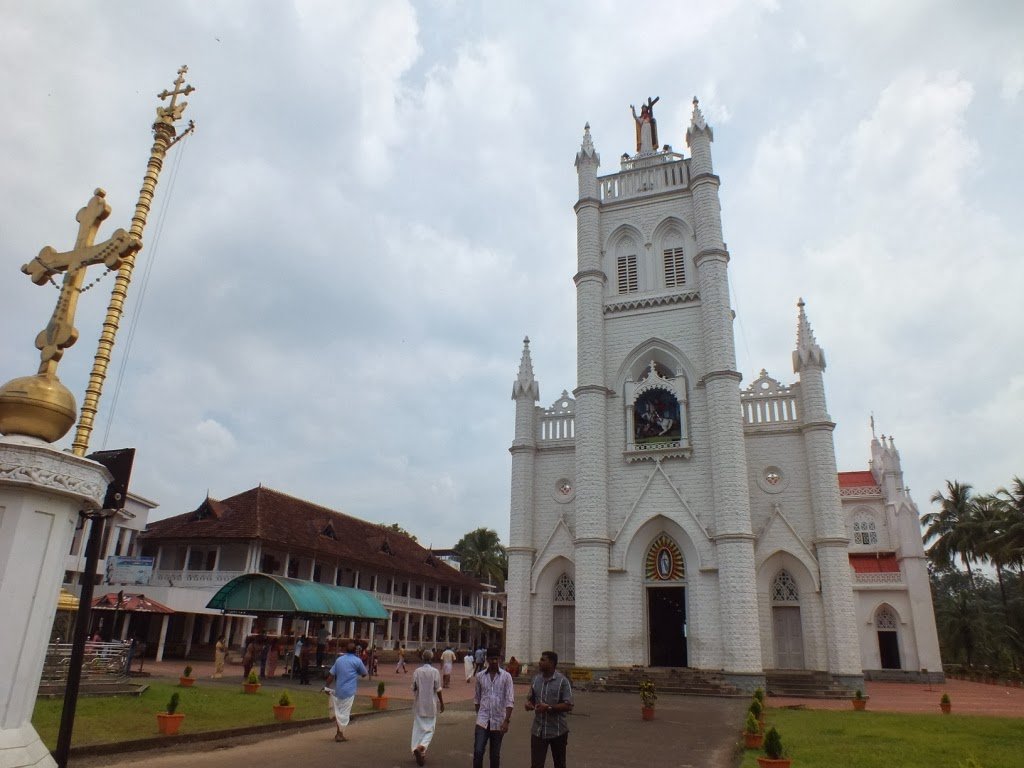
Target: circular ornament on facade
pixel 564 490
pixel 664 561
pixel 772 480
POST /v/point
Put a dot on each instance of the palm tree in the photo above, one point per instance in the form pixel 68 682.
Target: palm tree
pixel 482 555
pixel 954 527
pixel 991 517
pixel 1011 537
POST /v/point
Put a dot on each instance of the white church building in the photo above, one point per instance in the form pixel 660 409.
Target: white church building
pixel 663 515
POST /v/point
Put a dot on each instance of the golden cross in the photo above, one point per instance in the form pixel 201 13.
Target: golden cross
pixel 173 111
pixel 61 333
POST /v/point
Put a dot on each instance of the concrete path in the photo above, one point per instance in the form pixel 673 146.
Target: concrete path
pixel 606 732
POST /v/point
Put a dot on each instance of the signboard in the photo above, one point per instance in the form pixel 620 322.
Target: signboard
pixel 129 570
pixel 581 674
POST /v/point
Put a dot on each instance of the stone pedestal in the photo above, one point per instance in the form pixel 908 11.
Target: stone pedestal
pixel 41 493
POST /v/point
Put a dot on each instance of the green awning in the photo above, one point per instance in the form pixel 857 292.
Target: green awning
pixel 259 594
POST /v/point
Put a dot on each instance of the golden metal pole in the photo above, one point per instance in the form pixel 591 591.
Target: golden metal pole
pixel 163 139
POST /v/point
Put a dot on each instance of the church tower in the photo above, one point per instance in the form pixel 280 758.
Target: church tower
pixel 663 517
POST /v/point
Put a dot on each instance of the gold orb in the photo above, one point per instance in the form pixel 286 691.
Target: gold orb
pixel 37 406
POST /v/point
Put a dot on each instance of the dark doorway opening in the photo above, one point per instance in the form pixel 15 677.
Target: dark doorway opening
pixel 889 650
pixel 666 616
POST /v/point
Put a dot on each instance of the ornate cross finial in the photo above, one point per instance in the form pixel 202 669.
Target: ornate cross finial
pixel 174 111
pixel 60 333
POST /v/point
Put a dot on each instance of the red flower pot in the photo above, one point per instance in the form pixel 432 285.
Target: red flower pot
pixel 168 724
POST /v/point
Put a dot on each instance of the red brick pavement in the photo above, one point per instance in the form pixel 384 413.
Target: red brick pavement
pixel 967 698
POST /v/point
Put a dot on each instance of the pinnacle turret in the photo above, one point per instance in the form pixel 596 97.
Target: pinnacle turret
pixel 698 124
pixel 808 353
pixel 587 153
pixel 526 384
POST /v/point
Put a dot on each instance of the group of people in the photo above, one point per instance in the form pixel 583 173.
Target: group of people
pixel 550 700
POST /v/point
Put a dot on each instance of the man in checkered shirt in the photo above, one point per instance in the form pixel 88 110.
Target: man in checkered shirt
pixel 550 700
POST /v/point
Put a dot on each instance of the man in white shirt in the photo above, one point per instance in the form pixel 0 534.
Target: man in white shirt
pixel 447 660
pixel 427 702
pixel 494 700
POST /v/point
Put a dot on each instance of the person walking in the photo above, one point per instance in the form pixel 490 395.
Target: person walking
pixel 400 666
pixel 220 650
pixel 493 699
pixel 427 702
pixel 344 676
pixel 467 665
pixel 550 699
pixel 447 660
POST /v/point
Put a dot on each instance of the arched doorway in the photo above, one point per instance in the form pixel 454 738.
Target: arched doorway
pixel 888 637
pixel 787 629
pixel 563 619
pixel 665 572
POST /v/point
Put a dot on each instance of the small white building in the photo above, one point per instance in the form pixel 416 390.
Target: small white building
pixel 663 515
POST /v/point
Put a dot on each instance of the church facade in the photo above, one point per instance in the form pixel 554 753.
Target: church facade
pixel 664 515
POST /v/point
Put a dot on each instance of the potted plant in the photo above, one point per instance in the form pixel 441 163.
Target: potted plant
pixel 753 736
pixel 252 683
pixel 186 680
pixel 759 694
pixel 380 701
pixel 170 721
pixel 773 751
pixel 647 699
pixel 859 702
pixel 945 704
pixel 757 710
pixel 284 708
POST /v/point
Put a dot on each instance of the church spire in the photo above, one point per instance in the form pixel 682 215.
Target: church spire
pixel 698 138
pixel 807 353
pixel 526 384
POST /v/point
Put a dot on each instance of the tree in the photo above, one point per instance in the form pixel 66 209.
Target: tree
pixel 482 555
pixel 397 529
pixel 954 527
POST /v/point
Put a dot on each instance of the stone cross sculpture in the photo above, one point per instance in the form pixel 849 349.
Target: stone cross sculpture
pixel 60 333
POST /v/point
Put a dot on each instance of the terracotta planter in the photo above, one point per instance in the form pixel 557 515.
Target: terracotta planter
pixel 647 713
pixel 945 708
pixel 168 724
pixel 283 714
pixel 771 762
pixel 186 682
pixel 859 704
pixel 379 702
pixel 752 740
pixel 251 687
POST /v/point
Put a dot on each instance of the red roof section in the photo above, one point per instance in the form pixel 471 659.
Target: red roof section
pixel 129 604
pixel 875 562
pixel 856 479
pixel 303 527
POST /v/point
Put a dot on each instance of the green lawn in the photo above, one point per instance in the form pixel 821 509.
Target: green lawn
pixel 103 719
pixel 825 739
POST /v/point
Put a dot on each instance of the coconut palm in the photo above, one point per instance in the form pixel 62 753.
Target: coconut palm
pixel 482 555
pixel 1011 536
pixel 954 527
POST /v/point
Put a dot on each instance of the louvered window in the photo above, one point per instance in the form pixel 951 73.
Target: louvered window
pixel 675 267
pixel 627 274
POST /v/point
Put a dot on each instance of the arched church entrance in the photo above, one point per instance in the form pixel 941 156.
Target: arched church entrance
pixel 665 573
pixel 787 629
pixel 888 638
pixel 563 619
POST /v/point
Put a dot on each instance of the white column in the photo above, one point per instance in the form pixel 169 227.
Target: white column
pixel 41 492
pixel 190 625
pixel 163 637
pixel 387 631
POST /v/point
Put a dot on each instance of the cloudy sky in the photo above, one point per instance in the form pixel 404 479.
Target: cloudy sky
pixel 376 207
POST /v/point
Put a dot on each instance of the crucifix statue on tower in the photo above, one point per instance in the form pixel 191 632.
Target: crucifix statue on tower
pixel 60 333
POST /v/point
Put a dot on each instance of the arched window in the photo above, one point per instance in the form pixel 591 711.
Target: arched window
pixel 626 270
pixel 784 589
pixel 864 531
pixel 885 618
pixel 565 590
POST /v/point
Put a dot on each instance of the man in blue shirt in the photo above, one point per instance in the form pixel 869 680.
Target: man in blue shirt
pixel 344 675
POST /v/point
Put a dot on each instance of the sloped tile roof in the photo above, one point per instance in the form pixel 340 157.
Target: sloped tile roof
pixel 285 522
pixel 856 479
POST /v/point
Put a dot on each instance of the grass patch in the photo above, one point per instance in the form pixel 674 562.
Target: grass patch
pixel 107 719
pixel 827 738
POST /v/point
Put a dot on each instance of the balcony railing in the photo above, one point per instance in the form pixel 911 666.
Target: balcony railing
pixel 878 578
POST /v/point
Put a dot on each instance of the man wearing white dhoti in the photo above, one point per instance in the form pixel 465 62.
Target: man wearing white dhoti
pixel 467 664
pixel 343 676
pixel 447 660
pixel 427 702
